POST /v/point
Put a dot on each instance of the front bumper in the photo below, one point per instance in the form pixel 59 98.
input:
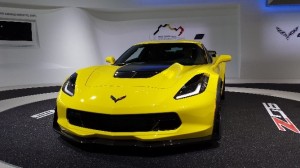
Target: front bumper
pixel 196 115
pixel 187 133
pixel 135 143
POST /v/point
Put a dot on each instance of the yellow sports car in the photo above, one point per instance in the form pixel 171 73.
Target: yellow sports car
pixel 157 93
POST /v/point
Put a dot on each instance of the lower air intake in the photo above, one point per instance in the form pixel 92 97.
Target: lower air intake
pixel 124 123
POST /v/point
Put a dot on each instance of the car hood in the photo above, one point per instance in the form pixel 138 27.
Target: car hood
pixel 133 75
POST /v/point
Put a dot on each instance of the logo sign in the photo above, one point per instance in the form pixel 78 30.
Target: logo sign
pixel 43 114
pixel 168 32
pixel 289 34
pixel 117 99
pixel 280 119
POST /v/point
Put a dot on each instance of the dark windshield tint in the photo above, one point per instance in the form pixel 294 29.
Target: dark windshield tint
pixel 164 53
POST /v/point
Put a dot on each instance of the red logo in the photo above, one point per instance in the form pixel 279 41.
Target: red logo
pixel 280 119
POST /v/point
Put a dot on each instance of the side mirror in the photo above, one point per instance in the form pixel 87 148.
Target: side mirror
pixel 212 53
pixel 110 59
pixel 220 59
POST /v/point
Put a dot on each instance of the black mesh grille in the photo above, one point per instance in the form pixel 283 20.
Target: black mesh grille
pixel 124 123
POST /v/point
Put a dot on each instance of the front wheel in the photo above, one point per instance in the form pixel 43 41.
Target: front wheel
pixel 223 90
pixel 216 135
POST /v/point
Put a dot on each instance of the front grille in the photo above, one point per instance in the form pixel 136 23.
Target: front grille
pixel 124 123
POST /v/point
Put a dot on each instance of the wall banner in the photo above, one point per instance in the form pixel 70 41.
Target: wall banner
pixel 168 32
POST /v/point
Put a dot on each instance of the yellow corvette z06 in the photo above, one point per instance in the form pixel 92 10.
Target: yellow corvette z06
pixel 157 93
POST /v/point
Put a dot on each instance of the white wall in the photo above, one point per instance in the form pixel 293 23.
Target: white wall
pixel 66 42
pixel 220 27
pixel 72 38
pixel 266 56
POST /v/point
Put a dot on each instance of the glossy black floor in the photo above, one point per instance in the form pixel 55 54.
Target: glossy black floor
pixel 250 139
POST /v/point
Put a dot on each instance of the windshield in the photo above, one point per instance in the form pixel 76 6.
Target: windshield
pixel 164 53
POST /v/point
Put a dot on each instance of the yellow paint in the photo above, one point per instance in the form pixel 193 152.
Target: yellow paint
pixel 95 85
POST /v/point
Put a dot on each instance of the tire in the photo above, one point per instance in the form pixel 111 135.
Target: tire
pixel 216 135
pixel 55 124
pixel 223 90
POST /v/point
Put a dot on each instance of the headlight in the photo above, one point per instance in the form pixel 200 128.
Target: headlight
pixel 194 86
pixel 69 85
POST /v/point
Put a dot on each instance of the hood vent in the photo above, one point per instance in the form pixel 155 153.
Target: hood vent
pixel 134 74
pixel 139 71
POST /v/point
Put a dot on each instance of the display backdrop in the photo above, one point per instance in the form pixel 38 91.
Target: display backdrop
pixel 263 41
pixel 66 42
pixel 220 27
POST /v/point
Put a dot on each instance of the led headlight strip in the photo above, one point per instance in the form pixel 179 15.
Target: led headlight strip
pixel 69 85
pixel 194 86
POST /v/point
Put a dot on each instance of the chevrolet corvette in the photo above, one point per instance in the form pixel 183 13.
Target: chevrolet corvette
pixel 157 93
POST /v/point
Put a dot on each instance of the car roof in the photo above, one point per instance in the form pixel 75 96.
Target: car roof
pixel 170 41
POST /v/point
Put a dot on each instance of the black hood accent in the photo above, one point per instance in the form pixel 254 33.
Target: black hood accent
pixel 139 70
